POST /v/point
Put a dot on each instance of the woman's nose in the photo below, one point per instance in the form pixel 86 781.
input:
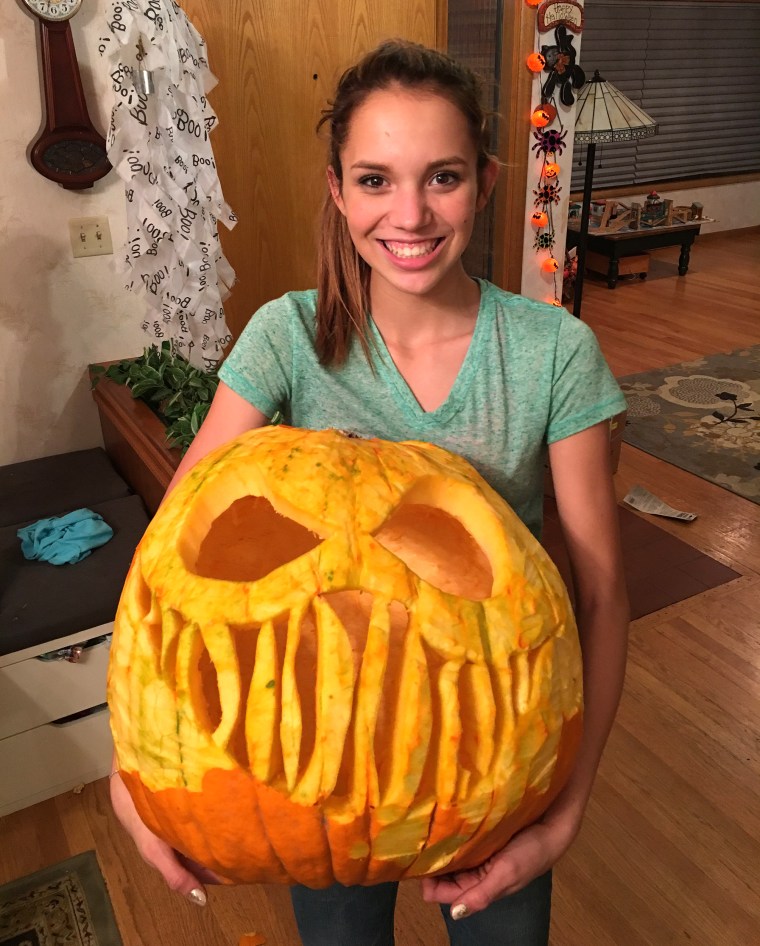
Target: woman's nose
pixel 410 209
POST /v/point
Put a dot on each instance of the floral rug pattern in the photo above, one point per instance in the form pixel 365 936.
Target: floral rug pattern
pixel 702 416
pixel 63 905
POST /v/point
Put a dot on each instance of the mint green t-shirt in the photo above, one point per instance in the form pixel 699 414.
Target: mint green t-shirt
pixel 533 374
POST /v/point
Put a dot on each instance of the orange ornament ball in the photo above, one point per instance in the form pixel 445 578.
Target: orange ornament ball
pixel 551 170
pixel 550 265
pixel 539 218
pixel 543 115
pixel 536 62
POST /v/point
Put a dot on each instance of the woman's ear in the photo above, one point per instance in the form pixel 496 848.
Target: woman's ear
pixel 335 190
pixel 487 182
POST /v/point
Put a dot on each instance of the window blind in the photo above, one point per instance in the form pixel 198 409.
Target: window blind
pixel 474 39
pixel 695 68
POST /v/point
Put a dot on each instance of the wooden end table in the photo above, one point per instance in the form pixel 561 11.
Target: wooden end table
pixel 621 243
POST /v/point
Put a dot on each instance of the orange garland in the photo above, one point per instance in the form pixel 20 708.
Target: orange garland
pixel 547 191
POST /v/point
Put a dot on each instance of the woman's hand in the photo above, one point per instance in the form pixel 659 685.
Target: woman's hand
pixel 179 873
pixel 529 854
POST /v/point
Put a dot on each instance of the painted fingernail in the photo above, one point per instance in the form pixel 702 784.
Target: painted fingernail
pixel 459 911
pixel 198 896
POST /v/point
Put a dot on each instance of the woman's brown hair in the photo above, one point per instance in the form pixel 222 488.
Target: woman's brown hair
pixel 343 276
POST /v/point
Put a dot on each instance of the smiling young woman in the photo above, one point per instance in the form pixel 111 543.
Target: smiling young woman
pixel 399 343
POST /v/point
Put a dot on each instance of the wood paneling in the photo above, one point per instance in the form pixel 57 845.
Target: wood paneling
pixel 277 64
pixel 518 29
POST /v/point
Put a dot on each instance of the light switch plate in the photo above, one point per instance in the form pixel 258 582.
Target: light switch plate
pixel 90 236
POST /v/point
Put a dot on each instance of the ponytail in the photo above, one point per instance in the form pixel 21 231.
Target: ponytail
pixel 342 289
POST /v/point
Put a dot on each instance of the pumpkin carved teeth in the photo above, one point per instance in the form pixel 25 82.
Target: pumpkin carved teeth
pixel 367 665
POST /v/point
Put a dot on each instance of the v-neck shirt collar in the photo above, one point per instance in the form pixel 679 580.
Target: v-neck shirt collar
pixel 399 388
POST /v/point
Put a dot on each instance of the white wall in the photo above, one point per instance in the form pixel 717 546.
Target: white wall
pixel 57 313
pixel 731 206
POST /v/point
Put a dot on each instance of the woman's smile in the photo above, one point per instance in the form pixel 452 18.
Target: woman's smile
pixel 416 251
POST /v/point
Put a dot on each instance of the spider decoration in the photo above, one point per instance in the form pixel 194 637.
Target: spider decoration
pixel 544 241
pixel 547 194
pixel 550 141
pixel 562 68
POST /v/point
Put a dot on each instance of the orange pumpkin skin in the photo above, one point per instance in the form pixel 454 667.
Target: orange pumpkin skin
pixel 341 659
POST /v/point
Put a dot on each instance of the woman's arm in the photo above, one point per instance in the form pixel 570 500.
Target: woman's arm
pixel 228 416
pixel 588 514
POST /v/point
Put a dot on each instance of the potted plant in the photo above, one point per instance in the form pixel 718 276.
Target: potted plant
pixel 150 408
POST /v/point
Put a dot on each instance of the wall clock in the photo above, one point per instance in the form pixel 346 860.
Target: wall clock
pixel 69 151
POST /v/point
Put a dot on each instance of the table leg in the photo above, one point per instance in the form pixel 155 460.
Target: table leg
pixel 613 271
pixel 683 259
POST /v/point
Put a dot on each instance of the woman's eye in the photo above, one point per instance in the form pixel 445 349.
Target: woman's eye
pixel 372 180
pixel 445 177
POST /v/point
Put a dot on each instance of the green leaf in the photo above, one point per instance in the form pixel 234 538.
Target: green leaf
pixel 178 392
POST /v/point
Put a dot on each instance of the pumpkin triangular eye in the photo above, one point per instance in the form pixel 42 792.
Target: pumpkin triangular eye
pixel 438 548
pixel 249 540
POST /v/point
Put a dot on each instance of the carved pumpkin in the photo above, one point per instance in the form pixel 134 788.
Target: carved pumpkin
pixel 543 115
pixel 341 659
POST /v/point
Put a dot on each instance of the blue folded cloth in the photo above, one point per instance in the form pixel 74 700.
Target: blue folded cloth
pixel 64 540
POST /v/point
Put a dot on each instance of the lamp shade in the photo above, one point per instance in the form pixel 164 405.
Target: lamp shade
pixel 604 114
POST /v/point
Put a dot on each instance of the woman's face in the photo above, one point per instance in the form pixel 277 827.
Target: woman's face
pixel 410 189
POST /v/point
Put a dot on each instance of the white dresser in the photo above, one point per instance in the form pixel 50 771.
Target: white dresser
pixel 54 732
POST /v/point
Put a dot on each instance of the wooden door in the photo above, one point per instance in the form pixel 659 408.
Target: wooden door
pixel 277 62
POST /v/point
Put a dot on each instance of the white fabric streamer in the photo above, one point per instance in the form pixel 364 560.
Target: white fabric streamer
pixel 159 144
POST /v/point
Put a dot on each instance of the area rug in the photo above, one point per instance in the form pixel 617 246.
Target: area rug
pixel 63 905
pixel 702 416
pixel 660 569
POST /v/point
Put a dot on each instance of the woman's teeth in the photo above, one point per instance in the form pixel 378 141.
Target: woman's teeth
pixel 410 250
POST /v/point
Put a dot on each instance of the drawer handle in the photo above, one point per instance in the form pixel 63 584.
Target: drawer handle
pixel 72 717
pixel 73 653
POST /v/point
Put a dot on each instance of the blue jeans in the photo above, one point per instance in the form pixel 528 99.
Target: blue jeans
pixel 363 916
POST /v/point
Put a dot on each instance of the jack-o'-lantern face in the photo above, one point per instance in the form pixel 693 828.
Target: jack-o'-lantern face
pixel 536 62
pixel 341 659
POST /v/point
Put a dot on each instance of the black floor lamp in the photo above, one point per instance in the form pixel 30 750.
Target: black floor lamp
pixel 603 115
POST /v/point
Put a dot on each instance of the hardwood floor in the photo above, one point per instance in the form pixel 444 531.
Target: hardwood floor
pixel 665 319
pixel 670 849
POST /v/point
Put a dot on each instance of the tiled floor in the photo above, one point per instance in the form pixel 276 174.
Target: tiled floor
pixel 660 569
